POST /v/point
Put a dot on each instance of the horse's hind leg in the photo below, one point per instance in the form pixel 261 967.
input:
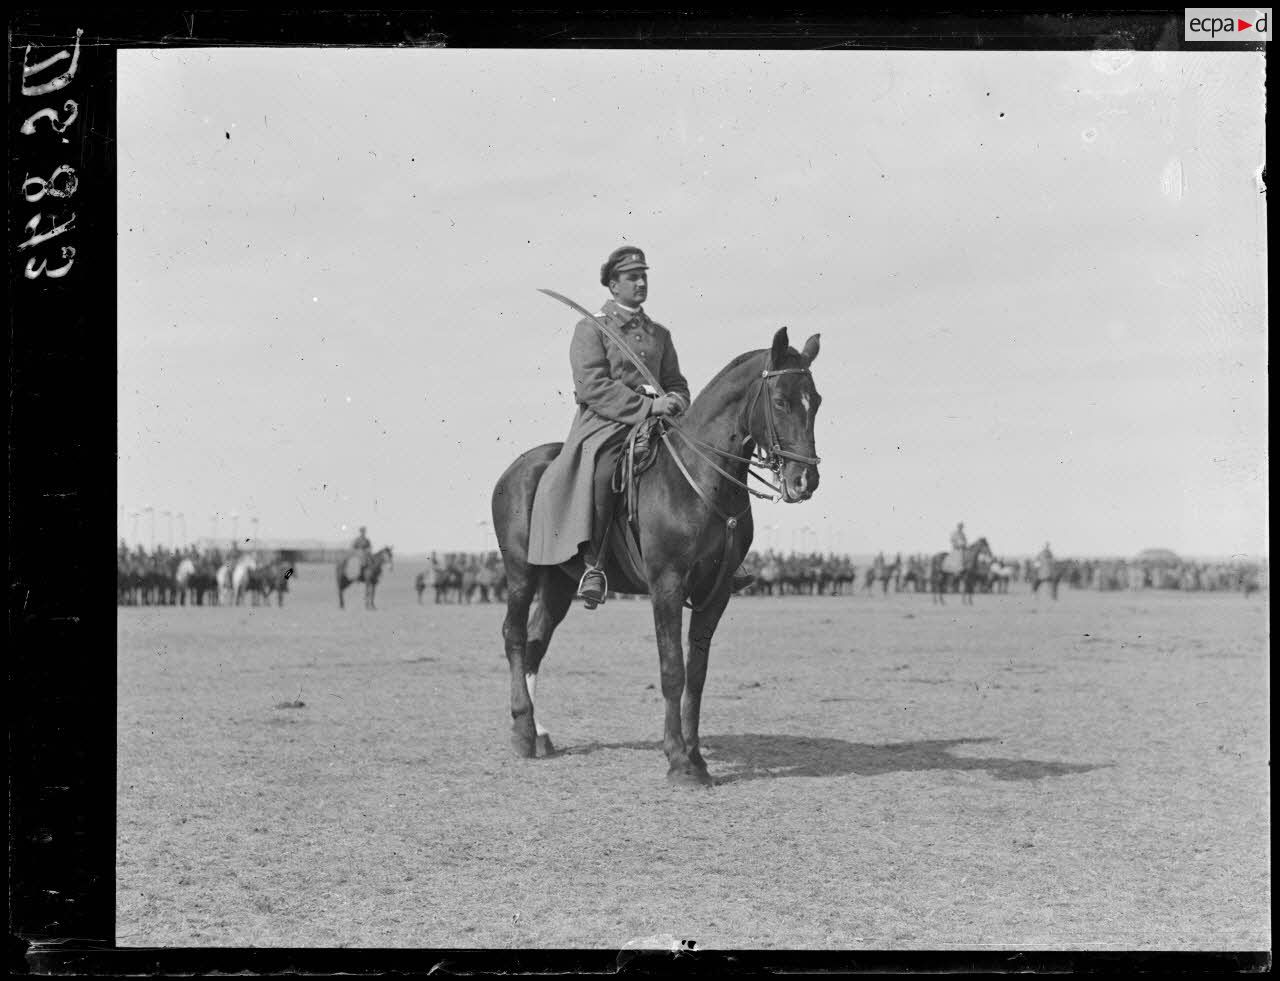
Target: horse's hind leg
pixel 515 632
pixel 549 606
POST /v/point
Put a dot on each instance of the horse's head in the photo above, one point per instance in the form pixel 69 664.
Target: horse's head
pixel 783 412
pixel 388 559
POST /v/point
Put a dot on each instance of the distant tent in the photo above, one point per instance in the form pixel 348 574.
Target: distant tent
pixel 1159 555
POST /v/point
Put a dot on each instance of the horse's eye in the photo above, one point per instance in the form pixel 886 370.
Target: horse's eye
pixel 782 404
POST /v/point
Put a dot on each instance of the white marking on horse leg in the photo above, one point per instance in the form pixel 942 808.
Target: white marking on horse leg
pixel 531 682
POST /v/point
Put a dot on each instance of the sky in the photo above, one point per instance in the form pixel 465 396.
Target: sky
pixel 1039 278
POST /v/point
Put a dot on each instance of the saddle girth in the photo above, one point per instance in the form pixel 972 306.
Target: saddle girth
pixel 638 455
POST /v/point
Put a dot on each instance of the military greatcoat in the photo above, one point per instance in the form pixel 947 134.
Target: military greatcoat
pixel 954 561
pixel 607 387
pixel 1044 564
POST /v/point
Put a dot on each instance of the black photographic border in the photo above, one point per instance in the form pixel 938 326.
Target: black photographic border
pixel 62 458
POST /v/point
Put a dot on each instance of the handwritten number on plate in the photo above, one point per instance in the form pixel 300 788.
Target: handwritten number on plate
pixel 35 272
pixel 51 114
pixel 50 187
pixel 34 223
pixel 62 81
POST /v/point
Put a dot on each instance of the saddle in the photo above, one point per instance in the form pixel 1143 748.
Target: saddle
pixel 953 561
pixel 623 537
pixel 639 452
pixel 354 567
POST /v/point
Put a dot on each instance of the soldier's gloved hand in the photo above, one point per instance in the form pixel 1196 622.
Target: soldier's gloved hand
pixel 666 405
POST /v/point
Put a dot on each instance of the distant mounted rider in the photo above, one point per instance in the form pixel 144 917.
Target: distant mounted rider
pixel 362 549
pixel 1044 562
pixel 958 545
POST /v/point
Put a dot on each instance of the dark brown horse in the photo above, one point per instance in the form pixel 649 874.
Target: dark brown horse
pixel 695 526
pixel 446 578
pixel 882 572
pixel 369 574
pixel 271 578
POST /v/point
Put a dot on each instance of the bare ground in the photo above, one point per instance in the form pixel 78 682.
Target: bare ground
pixel 1020 774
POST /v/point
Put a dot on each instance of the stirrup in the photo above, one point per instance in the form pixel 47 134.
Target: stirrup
pixel 593 597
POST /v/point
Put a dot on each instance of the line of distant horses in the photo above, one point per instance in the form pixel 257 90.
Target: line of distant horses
pixel 461 577
pixel 186 580
pixel 939 574
pixel 458 577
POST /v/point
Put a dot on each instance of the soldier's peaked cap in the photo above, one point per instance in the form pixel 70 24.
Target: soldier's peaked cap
pixel 621 260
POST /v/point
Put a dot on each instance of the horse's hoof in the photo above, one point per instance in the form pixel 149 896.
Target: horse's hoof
pixel 688 775
pixel 544 745
pixel 524 745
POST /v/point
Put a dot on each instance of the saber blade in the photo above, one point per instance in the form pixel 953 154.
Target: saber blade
pixel 609 333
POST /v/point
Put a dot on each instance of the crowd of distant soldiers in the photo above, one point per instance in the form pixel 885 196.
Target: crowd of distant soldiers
pixel 465 577
pixel 199 577
pixel 835 575
pixel 190 576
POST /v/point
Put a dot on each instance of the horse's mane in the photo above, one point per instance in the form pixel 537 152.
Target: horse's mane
pixel 732 365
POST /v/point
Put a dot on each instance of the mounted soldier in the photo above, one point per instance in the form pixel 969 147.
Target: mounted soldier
pixel 1044 563
pixel 955 561
pixel 362 549
pixel 573 505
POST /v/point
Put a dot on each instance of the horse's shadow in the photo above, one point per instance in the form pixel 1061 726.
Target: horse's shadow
pixel 739 757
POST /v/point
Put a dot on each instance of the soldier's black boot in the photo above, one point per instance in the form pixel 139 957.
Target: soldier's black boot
pixel 593 585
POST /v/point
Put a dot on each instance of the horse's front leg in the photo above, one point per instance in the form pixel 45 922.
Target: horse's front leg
pixel 668 609
pixel 702 626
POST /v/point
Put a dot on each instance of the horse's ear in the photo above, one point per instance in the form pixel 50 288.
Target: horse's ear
pixel 780 346
pixel 810 351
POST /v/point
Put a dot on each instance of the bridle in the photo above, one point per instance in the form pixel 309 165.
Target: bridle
pixel 772 459
pixel 776 457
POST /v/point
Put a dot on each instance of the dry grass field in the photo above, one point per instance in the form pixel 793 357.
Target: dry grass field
pixel 1017 774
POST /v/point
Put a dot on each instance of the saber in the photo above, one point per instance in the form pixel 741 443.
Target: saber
pixel 609 333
